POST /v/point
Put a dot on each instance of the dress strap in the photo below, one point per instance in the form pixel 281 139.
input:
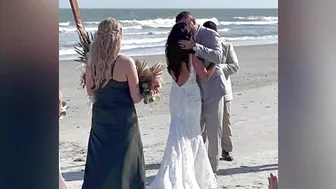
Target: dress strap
pixel 113 65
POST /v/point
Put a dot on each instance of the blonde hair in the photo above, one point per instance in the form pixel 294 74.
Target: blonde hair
pixel 104 51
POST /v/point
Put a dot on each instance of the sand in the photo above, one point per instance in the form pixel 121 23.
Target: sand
pixel 255 118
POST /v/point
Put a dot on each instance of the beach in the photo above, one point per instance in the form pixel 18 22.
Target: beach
pixel 254 115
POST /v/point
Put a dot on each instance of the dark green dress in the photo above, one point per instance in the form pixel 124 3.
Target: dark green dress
pixel 115 153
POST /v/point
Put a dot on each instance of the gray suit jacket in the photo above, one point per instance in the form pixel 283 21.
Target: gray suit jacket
pixel 229 66
pixel 209 47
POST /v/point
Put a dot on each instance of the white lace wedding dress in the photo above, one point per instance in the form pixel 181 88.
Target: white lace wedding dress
pixel 185 163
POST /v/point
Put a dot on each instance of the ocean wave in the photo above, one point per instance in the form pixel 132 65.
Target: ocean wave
pixel 143 41
pixel 73 29
pixel 64 24
pixel 165 23
pixel 141 47
pixel 130 43
pixel 225 23
pixel 92 23
pixel 224 30
pixel 92 29
pixel 160 41
pixel 71 51
pixel 152 43
pixel 260 18
pixel 266 37
pixel 158 22
pixel 161 22
pixel 148 33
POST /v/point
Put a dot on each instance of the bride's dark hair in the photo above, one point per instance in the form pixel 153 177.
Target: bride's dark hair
pixel 175 55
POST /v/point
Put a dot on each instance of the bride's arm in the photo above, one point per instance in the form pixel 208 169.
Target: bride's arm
pixel 201 71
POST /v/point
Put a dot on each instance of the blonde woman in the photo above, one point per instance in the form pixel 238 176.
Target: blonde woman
pixel 115 152
pixel 61 181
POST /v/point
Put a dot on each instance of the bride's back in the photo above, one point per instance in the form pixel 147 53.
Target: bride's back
pixel 178 60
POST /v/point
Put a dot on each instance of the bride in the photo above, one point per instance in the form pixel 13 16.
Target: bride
pixel 185 163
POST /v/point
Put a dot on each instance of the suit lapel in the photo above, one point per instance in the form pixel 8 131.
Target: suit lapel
pixel 198 36
pixel 194 39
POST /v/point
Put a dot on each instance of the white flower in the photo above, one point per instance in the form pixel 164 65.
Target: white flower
pixel 64 109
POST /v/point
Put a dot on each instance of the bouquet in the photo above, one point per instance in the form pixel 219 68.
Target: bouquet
pixel 149 80
pixel 149 77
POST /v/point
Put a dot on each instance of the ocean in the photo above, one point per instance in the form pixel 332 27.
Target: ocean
pixel 145 30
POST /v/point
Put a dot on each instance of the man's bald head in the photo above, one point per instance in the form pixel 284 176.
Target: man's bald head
pixel 187 18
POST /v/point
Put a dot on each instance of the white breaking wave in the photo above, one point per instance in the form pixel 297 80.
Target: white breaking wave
pixel 224 30
pixel 225 23
pixel 161 22
pixel 160 42
pixel 149 36
pixel 152 22
pixel 261 18
pixel 143 41
pixel 267 37
pixel 64 24
pixel 91 29
pixel 66 27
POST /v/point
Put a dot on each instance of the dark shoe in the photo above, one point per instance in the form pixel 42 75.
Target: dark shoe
pixel 226 156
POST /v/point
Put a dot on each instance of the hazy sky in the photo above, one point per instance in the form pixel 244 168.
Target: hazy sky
pixel 172 3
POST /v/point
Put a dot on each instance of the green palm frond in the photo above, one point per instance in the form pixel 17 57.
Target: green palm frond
pixel 83 48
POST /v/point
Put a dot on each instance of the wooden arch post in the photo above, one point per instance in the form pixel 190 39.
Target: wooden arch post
pixel 77 16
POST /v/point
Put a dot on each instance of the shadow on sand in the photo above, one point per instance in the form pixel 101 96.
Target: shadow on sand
pixel 78 175
pixel 248 169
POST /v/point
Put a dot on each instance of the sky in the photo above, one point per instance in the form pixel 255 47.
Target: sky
pixel 172 3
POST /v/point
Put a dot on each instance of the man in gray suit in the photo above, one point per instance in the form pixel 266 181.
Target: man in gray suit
pixel 230 67
pixel 207 46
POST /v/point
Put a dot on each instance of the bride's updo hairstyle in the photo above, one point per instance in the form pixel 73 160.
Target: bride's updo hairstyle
pixel 175 55
pixel 104 51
